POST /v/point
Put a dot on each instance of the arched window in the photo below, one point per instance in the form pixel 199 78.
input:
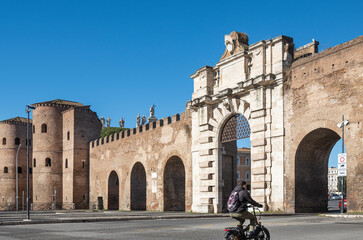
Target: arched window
pixel 34 162
pixel 17 141
pixel 83 164
pixel 4 141
pixel 68 135
pixel 48 162
pixel 44 128
pixel 6 170
pixel 66 163
pixel 247 161
pixel 247 175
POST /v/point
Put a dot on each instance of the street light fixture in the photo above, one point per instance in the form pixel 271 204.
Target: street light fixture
pixel 27 161
pixel 16 173
pixel 341 125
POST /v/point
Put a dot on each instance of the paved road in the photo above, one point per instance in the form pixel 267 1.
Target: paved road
pixel 288 227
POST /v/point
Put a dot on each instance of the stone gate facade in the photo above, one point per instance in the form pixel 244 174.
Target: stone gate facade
pixel 248 80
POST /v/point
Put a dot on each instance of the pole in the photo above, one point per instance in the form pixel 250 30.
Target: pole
pixel 55 198
pixel 16 173
pixel 342 178
pixel 23 200
pixel 27 167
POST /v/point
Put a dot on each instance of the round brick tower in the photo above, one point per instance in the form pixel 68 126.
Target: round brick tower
pixel 47 153
pixel 13 135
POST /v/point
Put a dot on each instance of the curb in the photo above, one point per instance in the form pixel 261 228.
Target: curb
pixel 341 216
pixel 113 219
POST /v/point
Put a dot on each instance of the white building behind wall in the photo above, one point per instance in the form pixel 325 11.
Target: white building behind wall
pixel 332 179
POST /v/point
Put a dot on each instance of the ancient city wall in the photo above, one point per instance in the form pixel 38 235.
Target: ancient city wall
pixel 320 89
pixel 47 174
pixel 159 152
pixel 9 131
pixel 80 126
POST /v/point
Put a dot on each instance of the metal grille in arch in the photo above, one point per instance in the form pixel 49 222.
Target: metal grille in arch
pixel 237 127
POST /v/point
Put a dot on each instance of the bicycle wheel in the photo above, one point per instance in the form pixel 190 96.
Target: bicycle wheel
pixel 263 235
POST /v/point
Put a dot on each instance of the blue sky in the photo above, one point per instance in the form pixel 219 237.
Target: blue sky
pixel 123 56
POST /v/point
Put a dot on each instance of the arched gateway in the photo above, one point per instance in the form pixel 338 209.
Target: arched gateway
pixel 138 187
pixel 174 185
pixel 113 191
pixel 311 170
pixel 235 128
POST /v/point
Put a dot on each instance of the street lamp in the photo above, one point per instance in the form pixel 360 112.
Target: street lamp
pixel 341 125
pixel 27 162
pixel 16 173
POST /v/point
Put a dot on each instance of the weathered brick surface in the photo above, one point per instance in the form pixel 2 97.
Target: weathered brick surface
pixel 152 148
pixel 321 89
pixel 10 131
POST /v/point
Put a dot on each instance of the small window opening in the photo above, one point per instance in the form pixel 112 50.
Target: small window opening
pixel 68 135
pixel 17 141
pixel 48 162
pixel 44 128
pixel 6 170
pixel 33 129
pixel 83 164
pixel 20 170
pixel 66 164
pixel 4 141
pixel 34 162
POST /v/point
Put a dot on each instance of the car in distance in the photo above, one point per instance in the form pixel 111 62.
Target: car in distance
pixel 345 203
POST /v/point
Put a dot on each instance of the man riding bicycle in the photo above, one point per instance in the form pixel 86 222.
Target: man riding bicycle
pixel 239 212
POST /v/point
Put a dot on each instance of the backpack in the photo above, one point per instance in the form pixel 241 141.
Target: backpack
pixel 233 201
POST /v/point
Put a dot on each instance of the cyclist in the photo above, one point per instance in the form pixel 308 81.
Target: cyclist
pixel 241 213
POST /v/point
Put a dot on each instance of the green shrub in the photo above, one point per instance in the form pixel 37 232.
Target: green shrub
pixel 107 131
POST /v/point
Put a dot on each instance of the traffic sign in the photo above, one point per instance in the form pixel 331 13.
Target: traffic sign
pixel 342 158
pixel 342 172
pixel 342 165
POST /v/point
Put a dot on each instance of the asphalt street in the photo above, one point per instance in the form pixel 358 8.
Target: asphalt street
pixel 283 227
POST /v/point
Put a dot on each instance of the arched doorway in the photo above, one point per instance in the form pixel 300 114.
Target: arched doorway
pixel 235 158
pixel 311 170
pixel 174 185
pixel 113 191
pixel 138 187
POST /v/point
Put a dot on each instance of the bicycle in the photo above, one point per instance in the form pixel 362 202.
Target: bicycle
pixel 242 232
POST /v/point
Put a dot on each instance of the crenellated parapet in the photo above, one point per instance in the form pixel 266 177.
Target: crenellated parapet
pixel 137 131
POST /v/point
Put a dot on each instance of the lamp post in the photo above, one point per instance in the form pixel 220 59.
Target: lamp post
pixel 27 162
pixel 16 174
pixel 341 125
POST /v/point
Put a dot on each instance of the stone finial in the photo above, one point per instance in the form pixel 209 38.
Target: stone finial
pixel 138 120
pixel 122 123
pixel 235 42
pixel 102 119
pixel 108 122
pixel 152 110
pixel 152 117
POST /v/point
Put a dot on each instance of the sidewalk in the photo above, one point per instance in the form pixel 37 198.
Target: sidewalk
pixel 63 216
